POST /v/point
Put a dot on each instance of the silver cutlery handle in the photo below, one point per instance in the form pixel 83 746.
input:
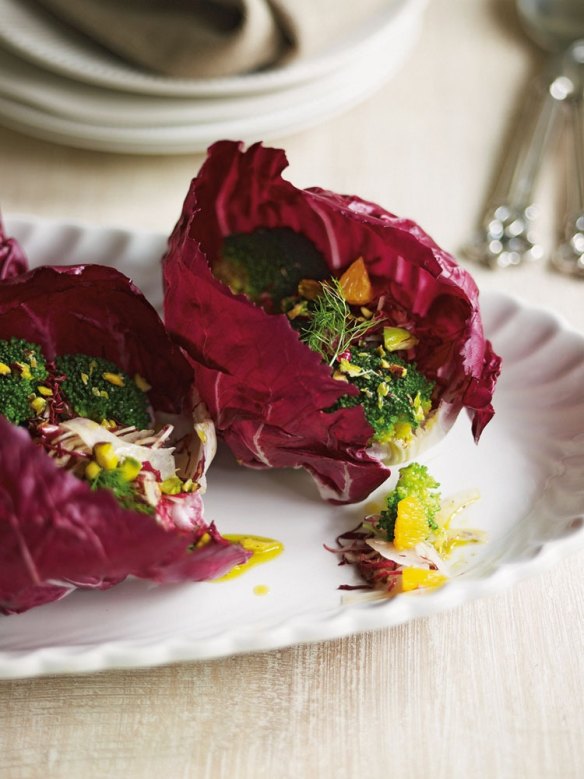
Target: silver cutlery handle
pixel 505 236
pixel 569 256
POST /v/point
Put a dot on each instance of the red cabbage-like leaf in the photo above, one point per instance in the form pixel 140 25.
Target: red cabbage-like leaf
pixel 55 532
pixel 267 392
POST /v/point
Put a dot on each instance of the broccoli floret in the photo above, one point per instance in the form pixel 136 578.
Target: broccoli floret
pixel 395 396
pixel 268 264
pixel 99 390
pixel 22 368
pixel 414 481
pixel 123 490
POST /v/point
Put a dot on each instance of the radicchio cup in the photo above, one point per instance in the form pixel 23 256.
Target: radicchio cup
pixel 274 400
pixel 59 530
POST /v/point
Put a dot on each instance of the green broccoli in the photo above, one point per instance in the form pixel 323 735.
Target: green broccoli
pixel 414 481
pixel 395 396
pixel 269 263
pixel 22 368
pixel 99 390
pixel 123 490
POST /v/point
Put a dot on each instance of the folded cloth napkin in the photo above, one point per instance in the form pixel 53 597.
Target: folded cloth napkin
pixel 211 38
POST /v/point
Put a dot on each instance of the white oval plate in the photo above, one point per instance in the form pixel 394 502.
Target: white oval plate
pixel 34 35
pixel 528 468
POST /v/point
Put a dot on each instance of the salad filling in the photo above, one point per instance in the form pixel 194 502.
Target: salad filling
pixel 343 319
pixel 406 544
pixel 96 422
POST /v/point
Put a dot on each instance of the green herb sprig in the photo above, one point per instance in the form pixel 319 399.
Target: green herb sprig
pixel 332 327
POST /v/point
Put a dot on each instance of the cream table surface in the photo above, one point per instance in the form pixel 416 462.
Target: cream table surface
pixel 491 689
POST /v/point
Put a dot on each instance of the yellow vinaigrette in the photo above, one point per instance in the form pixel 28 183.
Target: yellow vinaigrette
pixel 261 589
pixel 263 550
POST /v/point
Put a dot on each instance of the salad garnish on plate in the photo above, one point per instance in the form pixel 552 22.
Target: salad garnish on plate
pixel 406 544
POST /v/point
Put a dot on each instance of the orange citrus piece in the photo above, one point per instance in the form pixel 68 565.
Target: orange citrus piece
pixel 411 525
pixel 413 578
pixel 356 284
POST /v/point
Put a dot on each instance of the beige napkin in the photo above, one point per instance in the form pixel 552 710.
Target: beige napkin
pixel 209 38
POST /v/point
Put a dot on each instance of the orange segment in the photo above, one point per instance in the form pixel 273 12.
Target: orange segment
pixel 411 525
pixel 356 285
pixel 413 578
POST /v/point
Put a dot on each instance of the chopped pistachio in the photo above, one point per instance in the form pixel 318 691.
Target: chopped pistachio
pixel 382 392
pixel 300 309
pixel 347 367
pixel 397 370
pixel 418 408
pixel 114 378
pixel 130 468
pixel 92 470
pixel 38 405
pixel 141 383
pixel 340 376
pixel 105 456
pixel 171 486
pixel 24 371
pixel 203 541
pixel 396 338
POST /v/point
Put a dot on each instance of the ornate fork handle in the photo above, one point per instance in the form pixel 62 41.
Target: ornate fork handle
pixel 569 256
pixel 505 237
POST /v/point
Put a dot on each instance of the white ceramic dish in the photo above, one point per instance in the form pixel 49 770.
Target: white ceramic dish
pixel 528 468
pixel 51 107
pixel 35 36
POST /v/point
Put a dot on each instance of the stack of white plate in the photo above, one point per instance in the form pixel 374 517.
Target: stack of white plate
pixel 57 85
